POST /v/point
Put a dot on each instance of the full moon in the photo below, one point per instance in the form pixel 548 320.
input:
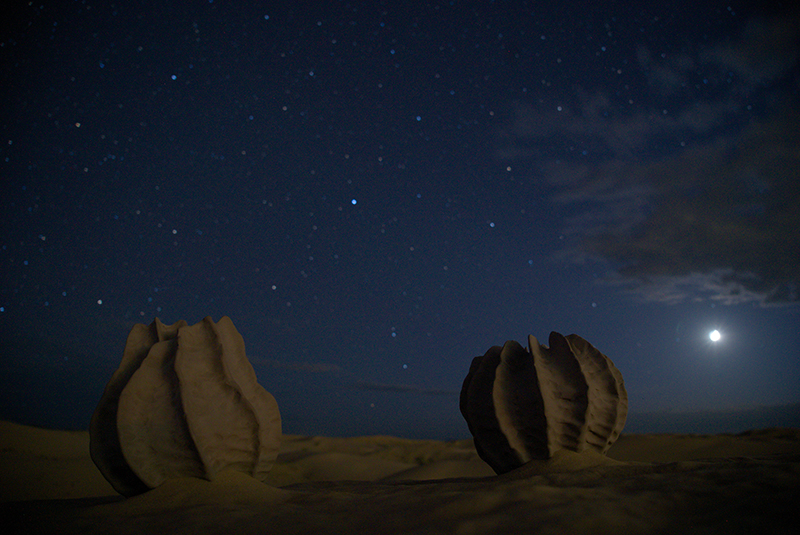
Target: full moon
pixel 714 335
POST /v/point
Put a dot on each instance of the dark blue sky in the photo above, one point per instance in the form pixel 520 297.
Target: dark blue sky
pixel 377 192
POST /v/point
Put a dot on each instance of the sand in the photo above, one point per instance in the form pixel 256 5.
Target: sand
pixel 745 483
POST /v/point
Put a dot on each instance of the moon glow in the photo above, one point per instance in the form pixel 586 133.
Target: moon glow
pixel 715 335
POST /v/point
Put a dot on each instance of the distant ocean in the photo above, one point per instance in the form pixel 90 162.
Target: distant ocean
pixel 698 422
pixel 713 422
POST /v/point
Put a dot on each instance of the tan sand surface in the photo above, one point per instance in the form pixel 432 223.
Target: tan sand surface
pixel 746 483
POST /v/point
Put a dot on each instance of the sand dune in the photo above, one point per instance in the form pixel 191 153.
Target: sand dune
pixel 746 483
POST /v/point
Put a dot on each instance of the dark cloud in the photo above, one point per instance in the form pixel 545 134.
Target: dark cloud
pixel 698 201
pixel 382 387
pixel 294 366
pixel 595 127
pixel 722 218
pixel 766 51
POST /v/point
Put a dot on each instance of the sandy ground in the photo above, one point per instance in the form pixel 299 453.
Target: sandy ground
pixel 746 483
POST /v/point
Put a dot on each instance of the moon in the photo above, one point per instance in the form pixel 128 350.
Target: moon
pixel 715 336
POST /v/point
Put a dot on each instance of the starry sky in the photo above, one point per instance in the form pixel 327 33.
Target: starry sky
pixel 377 192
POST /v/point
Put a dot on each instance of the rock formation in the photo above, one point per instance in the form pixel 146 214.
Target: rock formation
pixel 524 405
pixel 184 402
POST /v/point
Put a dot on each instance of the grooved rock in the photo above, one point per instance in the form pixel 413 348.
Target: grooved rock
pixel 184 402
pixel 524 405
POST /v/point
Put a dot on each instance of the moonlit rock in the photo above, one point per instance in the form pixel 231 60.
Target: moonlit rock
pixel 524 405
pixel 184 402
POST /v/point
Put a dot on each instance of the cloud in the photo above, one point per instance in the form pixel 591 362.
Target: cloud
pixel 382 387
pixel 324 367
pixel 766 51
pixel 595 127
pixel 722 217
pixel 297 366
pixel 670 73
pixel 702 202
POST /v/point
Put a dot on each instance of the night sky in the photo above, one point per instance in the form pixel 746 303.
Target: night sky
pixel 377 192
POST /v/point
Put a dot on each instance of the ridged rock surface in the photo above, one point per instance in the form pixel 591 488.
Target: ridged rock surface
pixel 524 405
pixel 184 402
